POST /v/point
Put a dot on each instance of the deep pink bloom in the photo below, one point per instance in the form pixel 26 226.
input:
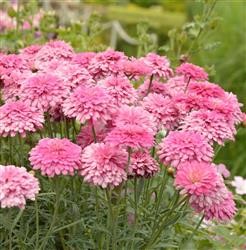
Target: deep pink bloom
pixel 104 165
pixel 89 103
pixel 133 136
pixel 83 59
pixel 160 65
pixel 120 89
pixel 43 91
pixel 19 118
pixel 16 186
pixel 191 71
pixel 163 109
pixel 142 165
pixel 135 115
pixel 211 124
pixel 196 178
pixel 183 146
pixel 31 50
pixel 55 157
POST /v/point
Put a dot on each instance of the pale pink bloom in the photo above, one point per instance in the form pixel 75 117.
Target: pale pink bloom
pixel 19 118
pixel 43 91
pixel 183 146
pixel 104 165
pixel 163 109
pixel 16 186
pixel 222 170
pixel 206 89
pixel 120 89
pixel 133 136
pixel 55 157
pixel 142 165
pixel 191 71
pixel 211 124
pixel 86 137
pixel 6 22
pixel 135 115
pixel 156 87
pixel 89 103
pixel 105 63
pixel 83 59
pixel 240 184
pixel 160 65
pixel 196 178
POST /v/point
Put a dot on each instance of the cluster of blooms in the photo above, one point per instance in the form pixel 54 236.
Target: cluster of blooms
pixel 119 122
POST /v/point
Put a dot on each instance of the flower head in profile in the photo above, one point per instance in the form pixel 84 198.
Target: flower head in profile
pixel 120 89
pixel 183 146
pixel 191 71
pixel 222 170
pixel 142 165
pixel 17 186
pixel 160 65
pixel 56 157
pixel 196 178
pixel 89 103
pixel 19 118
pixel 104 165
pixel 43 91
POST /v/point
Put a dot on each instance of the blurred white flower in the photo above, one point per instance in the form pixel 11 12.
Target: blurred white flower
pixel 240 184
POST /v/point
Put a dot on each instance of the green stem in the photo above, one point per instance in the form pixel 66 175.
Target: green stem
pixel 21 155
pixel 37 223
pixel 196 228
pixel 11 160
pixel 49 125
pixel 150 84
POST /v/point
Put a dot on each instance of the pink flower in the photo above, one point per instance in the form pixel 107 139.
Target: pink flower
pixel 89 103
pixel 56 157
pixel 83 59
pixel 160 66
pixel 17 186
pixel 131 115
pixel 196 178
pixel 85 137
pixel 211 124
pixel 222 170
pixel 163 109
pixel 191 71
pixel 156 87
pixel 6 22
pixel 43 91
pixel 183 146
pixel 104 165
pixel 142 165
pixel 176 85
pixel 133 136
pixel 19 118
pixel 120 89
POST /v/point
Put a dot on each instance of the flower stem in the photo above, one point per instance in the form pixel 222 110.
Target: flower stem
pixel 196 228
pixel 150 84
pixel 37 223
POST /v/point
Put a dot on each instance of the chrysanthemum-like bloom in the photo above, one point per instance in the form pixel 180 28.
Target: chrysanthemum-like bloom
pixel 43 91
pixel 131 115
pixel 56 157
pixel 156 87
pixel 131 136
pixel 196 178
pixel 182 146
pixel 83 59
pixel 163 109
pixel 222 170
pixel 142 165
pixel 19 118
pixel 105 63
pixel 89 103
pixel 206 89
pixel 191 71
pixel 176 85
pixel 120 89
pixel 16 186
pixel 31 50
pixel 86 137
pixel 160 65
pixel 211 124
pixel 104 165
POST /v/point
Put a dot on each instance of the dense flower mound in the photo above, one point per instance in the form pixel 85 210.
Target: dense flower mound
pixel 16 186
pixel 104 165
pixel 182 146
pixel 89 103
pixel 164 110
pixel 142 165
pixel 83 59
pixel 43 91
pixel 120 89
pixel 19 118
pixel 56 157
pixel 191 71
